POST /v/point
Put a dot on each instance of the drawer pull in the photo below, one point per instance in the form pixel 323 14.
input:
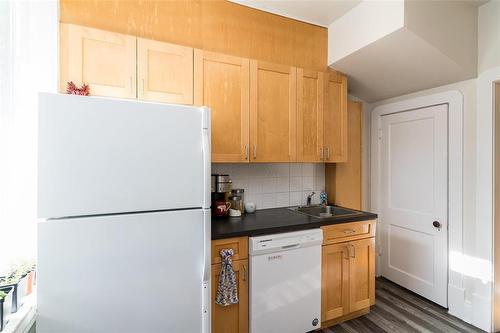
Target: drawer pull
pixel 349 231
pixel 245 277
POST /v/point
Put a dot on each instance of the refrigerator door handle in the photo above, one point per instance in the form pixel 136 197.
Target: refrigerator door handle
pixel 207 157
pixel 207 226
pixel 206 297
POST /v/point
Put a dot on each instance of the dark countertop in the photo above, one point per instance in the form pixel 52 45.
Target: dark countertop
pixel 276 220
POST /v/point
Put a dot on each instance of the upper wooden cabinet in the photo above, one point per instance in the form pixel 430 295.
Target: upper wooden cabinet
pixel 273 113
pixel 309 115
pixel 335 118
pixel 165 72
pixel 261 112
pixel 104 60
pixel 222 82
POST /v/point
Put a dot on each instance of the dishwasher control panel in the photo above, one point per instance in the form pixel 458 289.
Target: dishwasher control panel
pixel 285 241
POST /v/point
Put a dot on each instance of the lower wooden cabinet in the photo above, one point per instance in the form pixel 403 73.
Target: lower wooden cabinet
pixel 361 274
pixel 348 279
pixel 334 281
pixel 232 318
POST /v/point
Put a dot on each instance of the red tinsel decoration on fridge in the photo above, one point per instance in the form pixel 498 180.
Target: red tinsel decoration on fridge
pixel 72 89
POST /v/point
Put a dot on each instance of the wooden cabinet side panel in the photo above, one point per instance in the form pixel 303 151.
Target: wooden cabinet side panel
pixel 232 318
pixel 361 274
pixel 344 180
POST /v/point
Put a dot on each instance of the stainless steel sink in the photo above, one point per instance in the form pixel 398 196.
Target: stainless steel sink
pixel 321 211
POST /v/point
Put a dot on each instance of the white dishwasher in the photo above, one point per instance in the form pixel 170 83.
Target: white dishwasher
pixel 285 282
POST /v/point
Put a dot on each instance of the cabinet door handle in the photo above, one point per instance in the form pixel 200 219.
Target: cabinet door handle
pixel 346 252
pixel 244 272
pixel 353 250
pixel 321 153
pixel 246 152
pixel 327 153
pixel 254 152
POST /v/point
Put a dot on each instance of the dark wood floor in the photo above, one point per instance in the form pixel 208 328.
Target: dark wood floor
pixel 399 310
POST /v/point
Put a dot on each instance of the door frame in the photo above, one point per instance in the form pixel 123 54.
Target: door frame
pixel 457 305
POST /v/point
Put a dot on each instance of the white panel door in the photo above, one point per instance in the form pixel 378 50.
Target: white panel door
pixel 102 156
pixel 414 186
pixel 123 273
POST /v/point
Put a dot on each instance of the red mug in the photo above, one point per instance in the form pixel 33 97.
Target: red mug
pixel 221 208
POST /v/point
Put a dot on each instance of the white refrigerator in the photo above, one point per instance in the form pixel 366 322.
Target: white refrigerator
pixel 124 208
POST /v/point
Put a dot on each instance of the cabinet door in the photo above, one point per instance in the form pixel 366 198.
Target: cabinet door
pixel 223 83
pixel 272 112
pixel 103 60
pixel 309 115
pixel 165 72
pixel 232 318
pixel 335 118
pixel 361 274
pixel 335 281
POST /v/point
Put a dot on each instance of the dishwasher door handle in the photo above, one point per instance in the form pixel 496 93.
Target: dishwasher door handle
pixel 285 247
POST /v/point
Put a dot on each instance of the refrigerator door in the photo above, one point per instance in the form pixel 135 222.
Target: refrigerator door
pixel 131 273
pixel 104 156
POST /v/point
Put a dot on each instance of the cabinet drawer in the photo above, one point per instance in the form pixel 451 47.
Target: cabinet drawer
pixel 238 244
pixel 348 231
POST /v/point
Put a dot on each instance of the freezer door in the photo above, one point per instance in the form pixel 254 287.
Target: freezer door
pixel 131 273
pixel 102 156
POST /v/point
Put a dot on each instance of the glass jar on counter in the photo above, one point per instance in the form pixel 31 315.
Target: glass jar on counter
pixel 236 203
pixel 239 192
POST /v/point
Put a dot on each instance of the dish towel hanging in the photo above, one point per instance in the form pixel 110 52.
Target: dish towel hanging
pixel 227 291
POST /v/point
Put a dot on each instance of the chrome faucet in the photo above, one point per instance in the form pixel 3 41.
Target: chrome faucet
pixel 309 198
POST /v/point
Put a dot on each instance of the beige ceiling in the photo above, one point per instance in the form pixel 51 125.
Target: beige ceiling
pixel 318 12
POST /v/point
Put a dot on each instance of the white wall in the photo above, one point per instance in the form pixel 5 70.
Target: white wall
pixel 489 36
pixel 450 26
pixel 276 184
pixel 364 24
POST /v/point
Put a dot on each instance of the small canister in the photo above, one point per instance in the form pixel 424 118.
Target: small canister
pixel 236 203
pixel 239 192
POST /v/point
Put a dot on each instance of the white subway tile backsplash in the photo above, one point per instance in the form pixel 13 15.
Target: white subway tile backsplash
pixel 269 185
pixel 307 183
pixel 283 184
pixel 295 198
pixel 283 199
pixel 308 170
pixel 296 169
pixel 268 200
pixel 276 184
pixel 295 184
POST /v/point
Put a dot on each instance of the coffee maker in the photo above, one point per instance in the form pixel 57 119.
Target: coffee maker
pixel 221 190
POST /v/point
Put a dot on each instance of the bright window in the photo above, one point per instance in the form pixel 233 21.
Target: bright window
pixel 28 65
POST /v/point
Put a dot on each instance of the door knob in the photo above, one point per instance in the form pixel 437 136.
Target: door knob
pixel 436 224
